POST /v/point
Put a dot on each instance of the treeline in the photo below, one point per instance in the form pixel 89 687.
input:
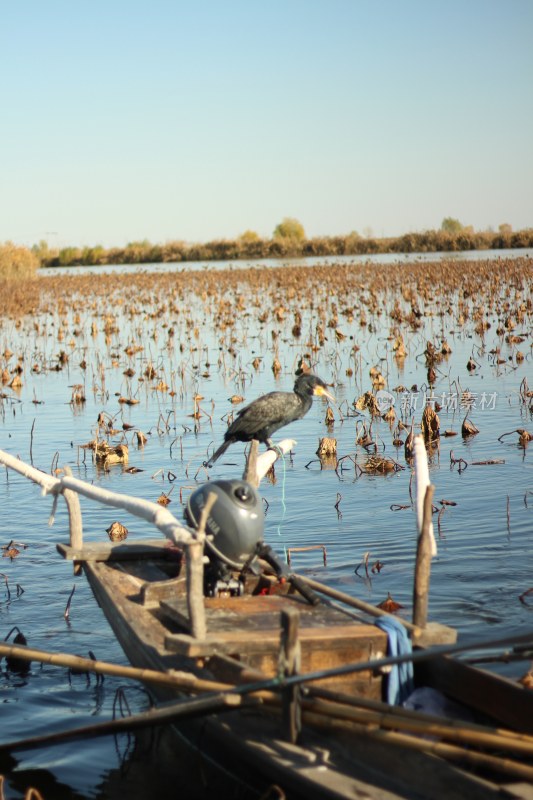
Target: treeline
pixel 254 247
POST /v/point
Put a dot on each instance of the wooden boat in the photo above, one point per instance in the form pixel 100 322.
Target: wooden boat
pixel 141 588
pixel 295 690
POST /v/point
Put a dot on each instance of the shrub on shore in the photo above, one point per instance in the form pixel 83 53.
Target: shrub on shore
pixel 17 263
pixel 252 247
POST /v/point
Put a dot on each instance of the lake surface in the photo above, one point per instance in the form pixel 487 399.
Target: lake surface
pixel 212 337
pixel 376 258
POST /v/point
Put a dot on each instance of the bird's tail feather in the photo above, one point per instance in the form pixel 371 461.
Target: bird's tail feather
pixel 222 449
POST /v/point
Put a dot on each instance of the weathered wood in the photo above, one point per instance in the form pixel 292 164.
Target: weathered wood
pixel 494 695
pixel 248 627
pixel 268 458
pixel 422 483
pixel 250 472
pixel 289 664
pixel 194 557
pixel 154 513
pixel 423 564
pixel 143 650
pixel 452 752
pixel 74 517
pixel 355 602
pixel 123 551
pixel 434 634
pixel 155 591
pixel 420 724
pixel 195 589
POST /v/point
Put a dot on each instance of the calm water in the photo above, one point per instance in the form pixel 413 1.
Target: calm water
pixel 377 258
pixel 485 542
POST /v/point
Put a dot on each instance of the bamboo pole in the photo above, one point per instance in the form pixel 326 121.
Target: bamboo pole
pixel 374 611
pixel 441 749
pixel 416 656
pixel 181 681
pixel 338 705
pixel 407 713
pixel 424 725
pixel 162 715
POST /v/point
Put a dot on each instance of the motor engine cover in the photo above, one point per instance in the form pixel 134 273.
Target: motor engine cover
pixel 235 523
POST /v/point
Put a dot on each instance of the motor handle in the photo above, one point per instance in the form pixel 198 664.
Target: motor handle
pixel 282 571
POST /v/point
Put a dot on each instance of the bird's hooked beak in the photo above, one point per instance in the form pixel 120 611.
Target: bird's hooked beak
pixel 321 392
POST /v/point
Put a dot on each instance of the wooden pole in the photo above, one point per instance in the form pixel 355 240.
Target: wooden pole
pixel 194 557
pixel 154 513
pixel 422 482
pixel 265 460
pixel 289 664
pixel 181 681
pixel 250 472
pixel 423 564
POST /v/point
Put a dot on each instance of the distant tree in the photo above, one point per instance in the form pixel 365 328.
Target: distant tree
pixel 248 237
pixel 69 256
pixel 93 255
pixel 451 225
pixel 137 252
pixel 505 228
pixel 289 228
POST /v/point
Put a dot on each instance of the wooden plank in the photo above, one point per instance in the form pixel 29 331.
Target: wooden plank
pixel 435 634
pixel 505 700
pixel 156 591
pixel 107 551
pixel 186 645
pixel 232 621
pixel 261 613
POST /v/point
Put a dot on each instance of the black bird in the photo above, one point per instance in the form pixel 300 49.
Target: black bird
pixel 264 416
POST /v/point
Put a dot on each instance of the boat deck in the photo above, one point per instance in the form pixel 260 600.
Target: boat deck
pixel 146 580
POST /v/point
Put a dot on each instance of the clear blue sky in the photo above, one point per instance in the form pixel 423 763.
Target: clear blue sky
pixel 198 120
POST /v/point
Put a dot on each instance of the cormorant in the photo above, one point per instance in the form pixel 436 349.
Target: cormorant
pixel 264 416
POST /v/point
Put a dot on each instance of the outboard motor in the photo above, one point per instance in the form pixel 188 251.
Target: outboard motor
pixel 234 532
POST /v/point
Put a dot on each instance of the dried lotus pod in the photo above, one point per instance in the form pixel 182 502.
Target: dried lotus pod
pixel 117 532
